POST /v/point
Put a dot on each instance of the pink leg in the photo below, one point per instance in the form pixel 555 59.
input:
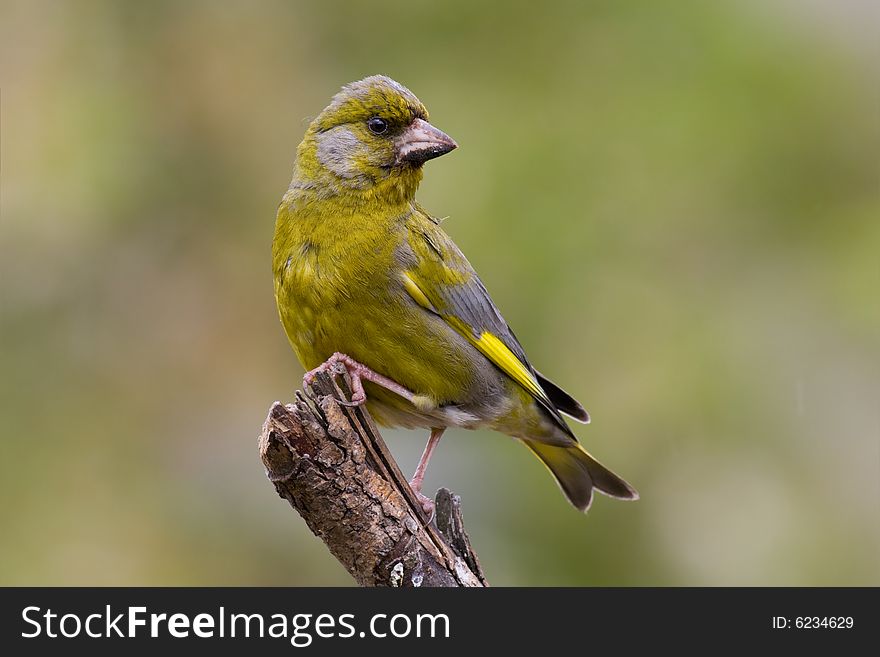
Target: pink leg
pixel 357 371
pixel 419 476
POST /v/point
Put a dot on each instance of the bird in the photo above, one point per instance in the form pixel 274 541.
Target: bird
pixel 364 277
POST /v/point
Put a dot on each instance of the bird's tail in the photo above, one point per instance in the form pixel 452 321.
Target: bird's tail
pixel 578 473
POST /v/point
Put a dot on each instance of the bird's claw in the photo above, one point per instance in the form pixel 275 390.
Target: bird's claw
pixel 354 402
pixel 427 504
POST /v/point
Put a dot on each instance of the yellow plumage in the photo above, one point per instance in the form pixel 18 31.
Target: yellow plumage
pixel 361 269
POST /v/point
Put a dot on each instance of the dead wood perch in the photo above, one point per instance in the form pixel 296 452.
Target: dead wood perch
pixel 330 462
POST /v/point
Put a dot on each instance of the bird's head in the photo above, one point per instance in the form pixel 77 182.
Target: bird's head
pixel 373 136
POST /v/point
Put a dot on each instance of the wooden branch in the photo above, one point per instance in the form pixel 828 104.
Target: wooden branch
pixel 329 461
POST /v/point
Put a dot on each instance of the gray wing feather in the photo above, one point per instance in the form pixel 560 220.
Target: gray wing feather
pixel 470 302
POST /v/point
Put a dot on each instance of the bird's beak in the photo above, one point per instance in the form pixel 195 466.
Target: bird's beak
pixel 421 142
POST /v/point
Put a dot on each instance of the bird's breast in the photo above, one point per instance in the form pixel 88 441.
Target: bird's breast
pixel 329 282
pixel 340 288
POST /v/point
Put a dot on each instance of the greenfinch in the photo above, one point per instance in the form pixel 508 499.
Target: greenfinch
pixel 366 277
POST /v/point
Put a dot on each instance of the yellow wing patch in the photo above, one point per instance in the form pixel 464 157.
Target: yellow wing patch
pixel 487 344
pixel 496 351
pixel 416 292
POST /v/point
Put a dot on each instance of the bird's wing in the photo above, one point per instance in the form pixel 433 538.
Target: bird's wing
pixel 440 279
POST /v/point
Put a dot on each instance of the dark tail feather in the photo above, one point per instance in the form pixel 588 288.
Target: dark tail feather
pixel 562 400
pixel 578 473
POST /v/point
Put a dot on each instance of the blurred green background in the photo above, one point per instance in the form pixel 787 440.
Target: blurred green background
pixel 676 205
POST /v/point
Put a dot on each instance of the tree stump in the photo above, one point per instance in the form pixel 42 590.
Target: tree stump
pixel 328 459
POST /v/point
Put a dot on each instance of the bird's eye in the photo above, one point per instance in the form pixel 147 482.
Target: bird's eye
pixel 377 126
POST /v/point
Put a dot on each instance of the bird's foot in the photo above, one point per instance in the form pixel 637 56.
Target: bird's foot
pixel 427 503
pixel 357 372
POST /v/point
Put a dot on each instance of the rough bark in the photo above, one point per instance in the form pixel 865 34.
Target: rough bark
pixel 329 461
